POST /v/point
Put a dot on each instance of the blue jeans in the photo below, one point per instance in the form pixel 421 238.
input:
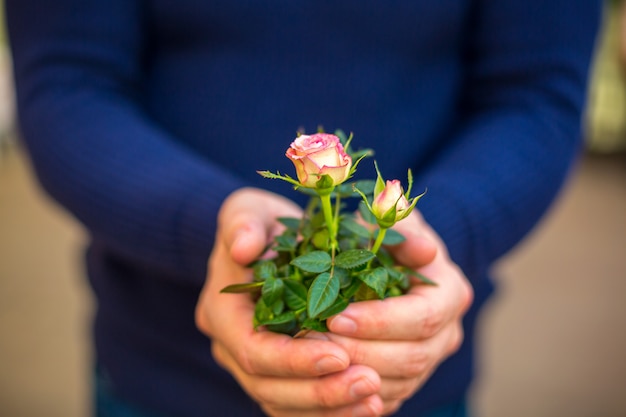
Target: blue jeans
pixel 107 404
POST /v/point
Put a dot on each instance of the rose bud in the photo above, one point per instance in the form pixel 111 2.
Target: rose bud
pixel 390 204
pixel 317 155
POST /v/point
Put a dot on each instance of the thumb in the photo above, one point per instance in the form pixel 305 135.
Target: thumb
pixel 247 238
pixel 420 246
pixel 247 222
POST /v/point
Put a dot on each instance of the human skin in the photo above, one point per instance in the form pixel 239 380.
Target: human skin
pixel 377 354
pixel 405 338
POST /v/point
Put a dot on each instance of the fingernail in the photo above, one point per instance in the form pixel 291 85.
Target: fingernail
pixel 343 324
pixel 329 364
pixel 361 388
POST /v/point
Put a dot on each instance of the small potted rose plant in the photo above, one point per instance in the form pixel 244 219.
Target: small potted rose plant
pixel 328 258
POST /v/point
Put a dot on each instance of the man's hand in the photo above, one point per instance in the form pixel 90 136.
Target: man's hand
pixel 286 376
pixel 405 338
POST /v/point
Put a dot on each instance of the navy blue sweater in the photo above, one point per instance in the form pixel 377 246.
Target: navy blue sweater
pixel 141 116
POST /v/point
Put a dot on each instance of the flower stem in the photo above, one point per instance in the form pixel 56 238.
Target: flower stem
pixel 337 213
pixel 379 239
pixel 327 209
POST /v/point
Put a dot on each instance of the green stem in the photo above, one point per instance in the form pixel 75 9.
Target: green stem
pixel 337 209
pixel 379 239
pixel 327 209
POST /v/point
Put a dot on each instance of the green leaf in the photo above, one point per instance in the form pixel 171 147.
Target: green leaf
pixel 338 306
pixel 410 182
pixel 286 243
pixel 347 189
pixel 423 279
pixel 342 136
pixel 272 290
pixel 242 288
pixel 282 323
pixel 322 294
pixel 366 186
pixel 398 278
pixel 394 292
pixel 366 214
pixel 288 327
pixel 290 223
pixel 393 237
pixel 278 176
pixel 282 318
pixel 355 228
pixel 315 262
pixel 264 270
pixel 354 258
pixel 315 324
pixel 350 290
pixel 307 229
pixel 295 294
pixel 262 313
pixel 380 182
pixel 343 275
pixel 376 279
pixel 385 257
pixel 365 293
pixel 318 221
pixel 320 239
pixel 278 307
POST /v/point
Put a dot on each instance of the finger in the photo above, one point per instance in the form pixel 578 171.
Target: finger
pixel 420 246
pixel 369 407
pixel 408 317
pixel 229 316
pixel 247 222
pixel 415 316
pixel 391 359
pixel 395 391
pixel 404 367
pixel 402 359
pixel 336 390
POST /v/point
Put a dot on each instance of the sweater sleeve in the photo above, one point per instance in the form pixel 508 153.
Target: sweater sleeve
pixel 521 104
pixel 78 67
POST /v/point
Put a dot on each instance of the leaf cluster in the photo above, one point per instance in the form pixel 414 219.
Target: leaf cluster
pixel 327 259
pixel 306 281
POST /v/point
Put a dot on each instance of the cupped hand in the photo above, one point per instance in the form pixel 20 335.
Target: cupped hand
pixel 405 338
pixel 286 376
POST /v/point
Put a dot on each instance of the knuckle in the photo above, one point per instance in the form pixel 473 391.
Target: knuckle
pixel 417 364
pixel 358 353
pixel 433 321
pixel 244 362
pixel 324 395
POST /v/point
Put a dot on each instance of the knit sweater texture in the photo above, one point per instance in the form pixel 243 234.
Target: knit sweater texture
pixel 141 116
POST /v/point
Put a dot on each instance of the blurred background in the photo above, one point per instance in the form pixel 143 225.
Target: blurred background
pixel 553 339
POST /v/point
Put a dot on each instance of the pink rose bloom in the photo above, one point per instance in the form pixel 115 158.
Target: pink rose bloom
pixel 317 155
pixel 391 198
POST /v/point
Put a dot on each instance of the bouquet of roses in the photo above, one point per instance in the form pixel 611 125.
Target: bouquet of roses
pixel 328 258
